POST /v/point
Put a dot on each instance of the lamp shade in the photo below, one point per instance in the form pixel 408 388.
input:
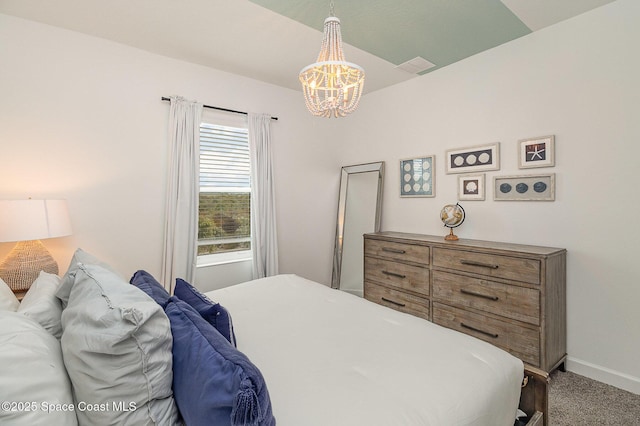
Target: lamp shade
pixel 25 220
pixel 28 222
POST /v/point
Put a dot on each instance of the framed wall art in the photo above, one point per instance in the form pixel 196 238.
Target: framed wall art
pixel 471 187
pixel 536 152
pixel 473 159
pixel 417 177
pixel 524 188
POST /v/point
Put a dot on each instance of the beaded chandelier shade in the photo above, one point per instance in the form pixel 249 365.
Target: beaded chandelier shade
pixel 27 222
pixel 332 86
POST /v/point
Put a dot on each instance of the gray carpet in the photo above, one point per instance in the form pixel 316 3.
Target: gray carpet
pixel 575 400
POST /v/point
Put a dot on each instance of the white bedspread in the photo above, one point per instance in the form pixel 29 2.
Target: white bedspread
pixel 330 358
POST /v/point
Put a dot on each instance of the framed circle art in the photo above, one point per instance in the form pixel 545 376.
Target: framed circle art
pixel 417 177
pixel 525 187
pixel 473 159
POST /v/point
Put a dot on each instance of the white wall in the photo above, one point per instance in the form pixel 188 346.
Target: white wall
pixel 579 81
pixel 81 118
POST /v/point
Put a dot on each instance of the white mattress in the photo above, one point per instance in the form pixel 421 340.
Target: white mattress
pixel 330 358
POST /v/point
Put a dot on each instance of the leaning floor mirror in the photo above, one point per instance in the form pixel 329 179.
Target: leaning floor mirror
pixel 359 206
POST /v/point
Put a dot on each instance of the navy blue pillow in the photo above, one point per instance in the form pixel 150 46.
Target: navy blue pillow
pixel 214 313
pixel 213 382
pixel 145 282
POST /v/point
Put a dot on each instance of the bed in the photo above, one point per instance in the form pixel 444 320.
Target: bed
pixel 332 358
pixel 95 348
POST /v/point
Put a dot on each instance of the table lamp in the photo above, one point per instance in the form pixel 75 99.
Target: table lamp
pixel 28 222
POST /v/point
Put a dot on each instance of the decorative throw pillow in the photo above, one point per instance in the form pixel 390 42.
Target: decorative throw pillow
pixel 116 343
pixel 33 379
pixel 214 313
pixel 8 300
pixel 145 282
pixel 41 304
pixel 213 382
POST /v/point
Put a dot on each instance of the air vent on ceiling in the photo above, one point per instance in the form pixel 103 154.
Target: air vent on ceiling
pixel 416 65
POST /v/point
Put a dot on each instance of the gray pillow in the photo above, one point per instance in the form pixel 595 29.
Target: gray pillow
pixel 116 343
pixel 41 304
pixel 8 300
pixel 33 380
pixel 80 256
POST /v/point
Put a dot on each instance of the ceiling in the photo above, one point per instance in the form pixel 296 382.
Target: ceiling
pixel 272 40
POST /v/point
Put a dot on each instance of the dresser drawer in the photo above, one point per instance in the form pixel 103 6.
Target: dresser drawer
pixel 397 300
pixel 511 268
pixel 520 341
pixel 397 251
pixel 400 275
pixel 509 301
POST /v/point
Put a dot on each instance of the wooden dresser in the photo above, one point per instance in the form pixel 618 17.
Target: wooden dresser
pixel 510 295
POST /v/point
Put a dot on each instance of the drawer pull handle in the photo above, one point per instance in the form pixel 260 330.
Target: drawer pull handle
pixel 402 305
pixel 483 265
pixel 392 250
pixel 473 293
pixel 486 333
pixel 393 274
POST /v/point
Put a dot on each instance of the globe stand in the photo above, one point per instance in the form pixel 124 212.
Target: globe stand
pixel 452 215
pixel 451 236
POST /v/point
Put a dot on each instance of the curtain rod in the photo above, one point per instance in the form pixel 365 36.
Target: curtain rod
pixel 221 109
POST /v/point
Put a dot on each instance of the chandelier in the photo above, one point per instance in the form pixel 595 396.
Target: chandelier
pixel 332 86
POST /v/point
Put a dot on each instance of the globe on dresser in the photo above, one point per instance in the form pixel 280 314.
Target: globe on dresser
pixel 452 215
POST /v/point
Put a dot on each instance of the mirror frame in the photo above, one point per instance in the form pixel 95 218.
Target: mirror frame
pixel 342 206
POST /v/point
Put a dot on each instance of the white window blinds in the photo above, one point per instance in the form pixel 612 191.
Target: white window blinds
pixel 224 159
pixel 224 222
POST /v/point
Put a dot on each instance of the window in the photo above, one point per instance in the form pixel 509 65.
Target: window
pixel 224 222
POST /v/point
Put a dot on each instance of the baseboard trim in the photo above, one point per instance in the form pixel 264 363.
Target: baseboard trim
pixel 604 375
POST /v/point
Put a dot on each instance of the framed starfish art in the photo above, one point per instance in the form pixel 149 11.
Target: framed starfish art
pixel 537 152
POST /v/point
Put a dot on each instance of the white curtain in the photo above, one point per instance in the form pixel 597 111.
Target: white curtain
pixel 181 210
pixel 264 244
